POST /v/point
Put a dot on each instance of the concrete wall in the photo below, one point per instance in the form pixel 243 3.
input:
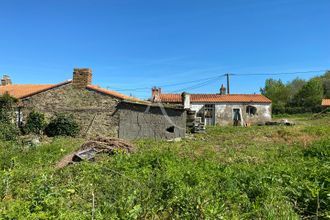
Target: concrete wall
pixel 196 107
pixel 91 109
pixel 143 121
pixel 224 112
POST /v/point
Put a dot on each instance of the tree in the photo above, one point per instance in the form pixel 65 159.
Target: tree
pixel 295 86
pixel 278 92
pixel 310 95
pixel 326 84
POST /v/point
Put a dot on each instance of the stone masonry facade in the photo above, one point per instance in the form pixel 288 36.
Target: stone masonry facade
pixel 95 112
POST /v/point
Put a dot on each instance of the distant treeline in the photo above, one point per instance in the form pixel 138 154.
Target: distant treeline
pixel 297 96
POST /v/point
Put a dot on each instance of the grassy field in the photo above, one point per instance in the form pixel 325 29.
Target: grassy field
pixel 273 172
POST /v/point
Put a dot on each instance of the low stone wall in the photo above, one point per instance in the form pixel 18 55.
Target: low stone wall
pixel 144 121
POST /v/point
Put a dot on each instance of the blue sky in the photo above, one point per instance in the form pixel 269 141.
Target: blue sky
pixel 142 43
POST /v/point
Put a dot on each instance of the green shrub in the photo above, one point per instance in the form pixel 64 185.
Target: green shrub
pixel 62 125
pixel 6 107
pixel 8 131
pixel 36 123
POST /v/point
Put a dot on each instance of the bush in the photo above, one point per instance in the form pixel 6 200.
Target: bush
pixel 62 125
pixel 6 107
pixel 8 131
pixel 35 123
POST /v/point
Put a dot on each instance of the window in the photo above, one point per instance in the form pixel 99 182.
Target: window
pixel 251 110
pixel 209 111
pixel 19 117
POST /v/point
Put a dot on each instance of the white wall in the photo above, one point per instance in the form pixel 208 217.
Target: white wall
pixel 224 112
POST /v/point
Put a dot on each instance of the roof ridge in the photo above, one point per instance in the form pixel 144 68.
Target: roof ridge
pixel 112 93
pixel 216 98
pixel 51 86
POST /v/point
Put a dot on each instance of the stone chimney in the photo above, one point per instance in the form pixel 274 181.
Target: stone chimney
pixel 82 77
pixel 223 90
pixel 185 100
pixel 6 80
pixel 155 94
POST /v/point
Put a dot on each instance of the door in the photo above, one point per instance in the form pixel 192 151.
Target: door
pixel 209 113
pixel 237 119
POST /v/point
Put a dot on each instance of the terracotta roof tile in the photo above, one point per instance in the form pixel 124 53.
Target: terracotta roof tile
pixel 21 91
pixel 111 93
pixel 214 98
pixel 326 102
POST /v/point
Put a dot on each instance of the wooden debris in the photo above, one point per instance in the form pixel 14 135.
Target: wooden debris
pixel 89 150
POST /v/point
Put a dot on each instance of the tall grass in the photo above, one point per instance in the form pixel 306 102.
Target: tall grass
pixel 228 173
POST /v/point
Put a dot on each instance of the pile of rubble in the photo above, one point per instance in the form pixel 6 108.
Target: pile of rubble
pixel 284 122
pixel 90 149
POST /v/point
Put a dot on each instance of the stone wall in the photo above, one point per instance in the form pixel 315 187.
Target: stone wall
pixel 94 111
pixel 144 121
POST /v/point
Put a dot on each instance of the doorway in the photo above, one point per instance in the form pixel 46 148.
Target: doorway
pixel 209 113
pixel 237 117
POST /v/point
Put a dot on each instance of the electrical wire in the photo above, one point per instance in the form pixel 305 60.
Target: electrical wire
pixel 275 74
pixel 199 85
pixel 213 78
pixel 171 85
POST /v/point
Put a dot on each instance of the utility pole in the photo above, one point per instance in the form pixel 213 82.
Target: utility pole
pixel 228 82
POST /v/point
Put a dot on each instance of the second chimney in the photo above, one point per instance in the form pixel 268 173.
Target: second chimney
pixel 155 94
pixel 222 90
pixel 6 80
pixel 82 77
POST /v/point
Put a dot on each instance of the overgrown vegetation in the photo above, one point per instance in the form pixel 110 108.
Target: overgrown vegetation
pixel 62 125
pixel 8 131
pixel 35 123
pixel 297 96
pixel 229 173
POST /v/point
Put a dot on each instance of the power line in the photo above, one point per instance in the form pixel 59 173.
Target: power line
pixel 199 85
pixel 279 73
pixel 173 84
pixel 210 79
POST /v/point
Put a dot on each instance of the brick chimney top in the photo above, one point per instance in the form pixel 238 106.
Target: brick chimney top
pixel 223 90
pixel 155 94
pixel 82 77
pixel 6 80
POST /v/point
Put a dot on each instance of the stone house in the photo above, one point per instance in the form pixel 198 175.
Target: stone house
pixel 221 109
pixel 99 111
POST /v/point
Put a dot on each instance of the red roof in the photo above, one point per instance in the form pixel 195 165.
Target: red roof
pixel 326 102
pixel 111 93
pixel 21 91
pixel 214 98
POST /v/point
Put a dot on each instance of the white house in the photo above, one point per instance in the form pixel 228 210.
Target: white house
pixel 222 108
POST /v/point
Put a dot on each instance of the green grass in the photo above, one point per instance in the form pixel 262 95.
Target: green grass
pixel 273 172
